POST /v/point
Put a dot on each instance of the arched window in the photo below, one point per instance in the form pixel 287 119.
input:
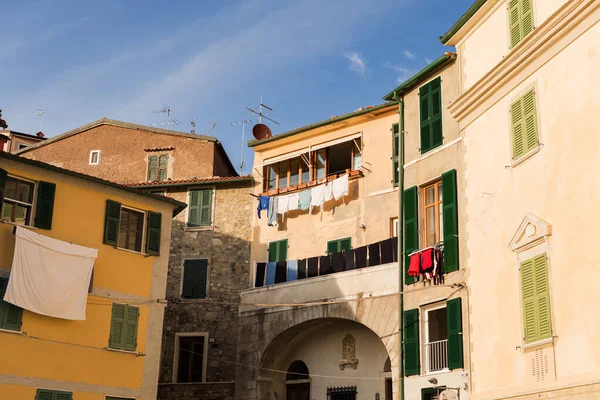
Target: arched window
pixel 297 371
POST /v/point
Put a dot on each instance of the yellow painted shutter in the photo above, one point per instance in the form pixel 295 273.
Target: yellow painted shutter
pixel 514 22
pixel 516 114
pixel 530 118
pixel 543 296
pixel 528 293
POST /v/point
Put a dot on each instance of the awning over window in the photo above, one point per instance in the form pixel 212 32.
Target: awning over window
pixel 49 276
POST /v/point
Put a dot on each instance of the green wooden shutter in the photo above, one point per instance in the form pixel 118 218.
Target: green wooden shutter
pixel 528 292
pixel 332 246
pixel 435 104
pixel 202 279
pixel 514 22
pixel 206 207
pixel 273 249
pixel 530 119
pixel 542 292
pixel 455 340
pixel 3 176
pixel 45 394
pixel 44 207
pixel 411 228
pixel 191 273
pixel 536 299
pixel 152 168
pixel 112 222
pixel 131 328
pixel 425 118
pixel 526 18
pixel 153 230
pixel 450 218
pixel 63 395
pixel 163 162
pixel 194 209
pixel 10 315
pixel 412 365
pixel 518 129
pixel 345 244
pixel 395 154
pixel 282 251
pixel 117 325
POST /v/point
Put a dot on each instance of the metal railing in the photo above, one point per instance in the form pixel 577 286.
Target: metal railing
pixel 437 355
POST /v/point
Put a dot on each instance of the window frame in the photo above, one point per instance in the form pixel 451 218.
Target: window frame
pixel 212 208
pixel 438 205
pixel 278 241
pixel 179 335
pixel 394 226
pixel 424 314
pixel 32 206
pixel 433 147
pixel 143 238
pixel 139 314
pixel 508 24
pixel 518 97
pixel 192 299
pixel 91 158
pixel 157 168
pixel 339 243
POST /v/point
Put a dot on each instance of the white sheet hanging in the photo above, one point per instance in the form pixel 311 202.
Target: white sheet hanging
pixel 49 276
pixel 340 187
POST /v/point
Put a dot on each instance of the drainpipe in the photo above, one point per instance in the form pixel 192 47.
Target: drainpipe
pixel 401 242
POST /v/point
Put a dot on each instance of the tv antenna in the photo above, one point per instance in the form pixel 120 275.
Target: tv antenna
pixel 193 128
pixel 211 128
pixel 170 120
pixel 40 113
pixel 243 124
pixel 260 112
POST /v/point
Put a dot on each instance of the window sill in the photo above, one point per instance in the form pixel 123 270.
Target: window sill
pixel 441 371
pixel 135 353
pixel 537 344
pixel 188 301
pixel 11 331
pixel 131 251
pixel 525 157
pixel 198 228
pixel 7 222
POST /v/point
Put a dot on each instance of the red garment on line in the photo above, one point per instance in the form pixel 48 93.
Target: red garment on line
pixel 415 265
pixel 427 260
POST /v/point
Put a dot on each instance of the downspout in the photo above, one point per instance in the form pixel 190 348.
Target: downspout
pixel 401 242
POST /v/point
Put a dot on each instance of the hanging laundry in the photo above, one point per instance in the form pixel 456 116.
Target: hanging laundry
pixel 337 262
pixel 49 276
pixel 340 187
pixel 360 254
pixel 301 269
pixel 313 267
pixel 328 191
pixel 427 260
pixel 317 196
pixel 374 257
pixel 270 279
pixel 395 245
pixel 280 271
pixel 259 281
pixel 263 204
pixel 387 251
pixel 304 199
pixel 292 270
pixel 283 204
pixel 272 211
pixel 349 260
pixel 293 200
pixel 324 265
pixel 414 268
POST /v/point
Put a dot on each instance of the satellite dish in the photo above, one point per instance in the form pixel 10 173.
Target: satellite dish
pixel 448 394
pixel 261 131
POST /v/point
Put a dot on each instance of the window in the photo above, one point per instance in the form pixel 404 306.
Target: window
pixel 524 125
pixel 45 394
pixel 131 229
pixel 395 154
pixel 195 279
pixel 278 251
pixel 432 213
pixel 22 146
pixel 94 157
pixel 17 205
pixel 124 327
pixel 10 315
pixel 436 339
pixel 335 246
pixel 287 173
pixel 200 208
pixel 536 299
pixel 157 167
pixel 394 227
pixel 431 393
pixel 430 103
pixel 520 20
pixel 191 358
pixel 341 393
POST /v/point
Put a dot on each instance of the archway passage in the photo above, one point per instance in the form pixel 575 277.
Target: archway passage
pixel 297 381
pixel 297 371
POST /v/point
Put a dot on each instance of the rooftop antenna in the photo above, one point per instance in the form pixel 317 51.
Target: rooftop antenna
pixel 260 112
pixel 242 123
pixel 211 128
pixel 40 113
pixel 170 120
pixel 193 128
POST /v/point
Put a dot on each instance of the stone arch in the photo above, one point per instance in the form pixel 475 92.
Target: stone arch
pixel 297 371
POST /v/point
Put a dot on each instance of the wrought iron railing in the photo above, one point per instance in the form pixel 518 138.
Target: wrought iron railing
pixel 437 355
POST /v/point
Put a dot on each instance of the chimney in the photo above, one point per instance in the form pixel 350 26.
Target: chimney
pixel 40 134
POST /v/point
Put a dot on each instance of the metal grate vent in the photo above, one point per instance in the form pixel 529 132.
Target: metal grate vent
pixel 539 365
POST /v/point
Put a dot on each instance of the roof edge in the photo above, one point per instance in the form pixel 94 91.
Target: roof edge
pixel 462 21
pixel 419 76
pixel 178 206
pixel 179 184
pixel 254 143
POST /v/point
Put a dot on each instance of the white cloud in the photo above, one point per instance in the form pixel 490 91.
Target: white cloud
pixel 357 63
pixel 403 72
pixel 409 55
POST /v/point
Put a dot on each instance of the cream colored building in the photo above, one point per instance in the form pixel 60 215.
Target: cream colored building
pixel 336 333
pixel 528 115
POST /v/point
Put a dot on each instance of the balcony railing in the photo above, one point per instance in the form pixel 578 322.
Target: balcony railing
pixel 437 355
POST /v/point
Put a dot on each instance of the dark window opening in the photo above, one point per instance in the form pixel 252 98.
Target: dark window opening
pixel 18 201
pixel 341 393
pixel 340 158
pixel 191 359
pixel 131 229
pixel 297 371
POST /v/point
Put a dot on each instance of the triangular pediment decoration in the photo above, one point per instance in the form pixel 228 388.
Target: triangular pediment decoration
pixel 531 230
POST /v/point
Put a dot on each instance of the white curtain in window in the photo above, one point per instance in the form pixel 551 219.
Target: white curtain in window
pixel 49 276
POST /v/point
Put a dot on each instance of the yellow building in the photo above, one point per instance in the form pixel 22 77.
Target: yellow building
pixel 114 353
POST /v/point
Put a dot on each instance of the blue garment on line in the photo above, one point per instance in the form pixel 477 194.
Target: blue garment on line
pixel 304 202
pixel 292 270
pixel 270 280
pixel 263 204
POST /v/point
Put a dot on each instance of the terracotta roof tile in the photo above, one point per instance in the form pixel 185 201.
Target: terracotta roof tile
pixel 208 179
pixel 150 149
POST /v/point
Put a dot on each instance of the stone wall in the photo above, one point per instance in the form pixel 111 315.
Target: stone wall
pixel 193 391
pixel 226 246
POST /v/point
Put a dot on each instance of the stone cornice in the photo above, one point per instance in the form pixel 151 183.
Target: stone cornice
pixel 556 33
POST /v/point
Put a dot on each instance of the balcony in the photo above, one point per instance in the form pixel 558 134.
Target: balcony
pixel 436 354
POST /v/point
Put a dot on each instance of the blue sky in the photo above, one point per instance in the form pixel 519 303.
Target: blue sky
pixel 310 59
